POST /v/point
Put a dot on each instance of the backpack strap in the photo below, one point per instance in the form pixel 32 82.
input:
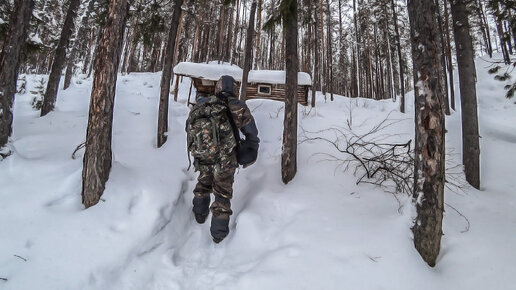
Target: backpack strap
pixel 232 122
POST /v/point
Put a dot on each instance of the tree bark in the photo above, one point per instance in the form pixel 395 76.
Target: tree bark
pixel 97 155
pixel 468 93
pixel 449 56
pixel 49 100
pixel 429 125
pixel 10 62
pixel 289 153
pixel 446 103
pixel 167 75
pixel 248 53
pixel 400 60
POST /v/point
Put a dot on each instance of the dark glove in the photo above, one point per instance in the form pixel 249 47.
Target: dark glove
pixel 247 153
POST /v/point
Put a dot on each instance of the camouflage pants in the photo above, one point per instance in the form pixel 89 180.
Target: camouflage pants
pixel 221 183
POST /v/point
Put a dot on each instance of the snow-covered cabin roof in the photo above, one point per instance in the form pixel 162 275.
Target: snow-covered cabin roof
pixel 214 70
pixel 210 71
pixel 277 77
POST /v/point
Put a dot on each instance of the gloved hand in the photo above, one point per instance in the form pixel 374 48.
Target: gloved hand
pixel 247 153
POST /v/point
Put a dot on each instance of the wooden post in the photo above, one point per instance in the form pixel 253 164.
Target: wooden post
pixel 190 92
pixel 176 88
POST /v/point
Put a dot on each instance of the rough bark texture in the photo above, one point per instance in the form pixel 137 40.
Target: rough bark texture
pixel 167 75
pixel 429 118
pixel 97 156
pixel 468 92
pixel 289 153
pixel 10 62
pixel 50 97
pixel 248 58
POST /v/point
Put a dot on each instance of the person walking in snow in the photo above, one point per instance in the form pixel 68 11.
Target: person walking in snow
pixel 213 138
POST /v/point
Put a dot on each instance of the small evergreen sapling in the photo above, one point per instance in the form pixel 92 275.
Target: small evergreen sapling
pixel 38 92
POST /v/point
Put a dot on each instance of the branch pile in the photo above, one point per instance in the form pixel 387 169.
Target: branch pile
pixel 372 158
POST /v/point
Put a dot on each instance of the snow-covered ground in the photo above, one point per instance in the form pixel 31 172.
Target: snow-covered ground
pixel 321 231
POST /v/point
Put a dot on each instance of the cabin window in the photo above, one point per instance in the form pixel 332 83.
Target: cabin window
pixel 264 89
pixel 207 83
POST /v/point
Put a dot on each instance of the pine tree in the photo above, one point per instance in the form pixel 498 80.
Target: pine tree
pixel 59 59
pixel 167 75
pixel 468 93
pixel 9 65
pixel 76 45
pixel 248 57
pixel 429 136
pixel 98 155
pixel 289 154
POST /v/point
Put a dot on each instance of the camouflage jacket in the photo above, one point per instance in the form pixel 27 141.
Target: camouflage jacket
pixel 243 121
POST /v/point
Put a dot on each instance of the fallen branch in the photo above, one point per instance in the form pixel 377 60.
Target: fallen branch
pixel 20 257
pixel 463 216
pixel 78 148
pixel 373 160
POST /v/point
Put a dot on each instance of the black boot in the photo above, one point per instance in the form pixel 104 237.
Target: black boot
pixel 201 208
pixel 219 228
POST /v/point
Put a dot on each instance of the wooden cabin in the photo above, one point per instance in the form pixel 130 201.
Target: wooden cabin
pixel 204 76
pixel 270 84
pixel 262 84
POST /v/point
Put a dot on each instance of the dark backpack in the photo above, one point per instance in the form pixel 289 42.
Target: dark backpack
pixel 210 136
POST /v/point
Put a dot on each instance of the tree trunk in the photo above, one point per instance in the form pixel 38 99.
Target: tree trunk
pixel 429 141
pixel 289 153
pixel 317 70
pixel 486 27
pixel 73 54
pixel 499 28
pixel 342 56
pixel 449 56
pixel 324 73
pixel 167 75
pixel 133 43
pixel 258 55
pixel 248 53
pixel 227 50
pixel 10 63
pixel 92 59
pixel 468 93
pixel 220 35
pixel 50 97
pixel 400 60
pixel 446 103
pixel 97 155
pixel 237 26
pixel 178 40
pixel 330 52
